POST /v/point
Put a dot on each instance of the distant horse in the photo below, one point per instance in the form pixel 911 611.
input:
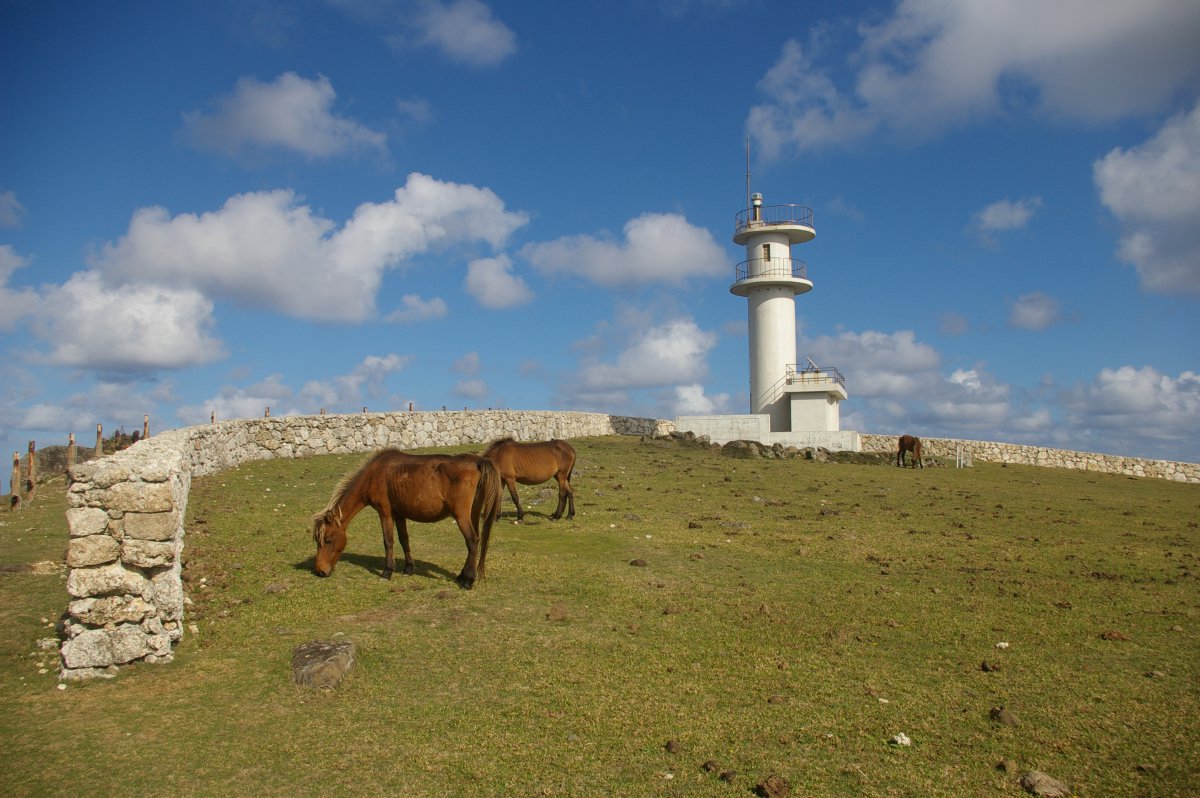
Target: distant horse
pixel 909 444
pixel 417 487
pixel 532 464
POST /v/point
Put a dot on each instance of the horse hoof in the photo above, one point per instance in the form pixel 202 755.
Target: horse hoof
pixel 465 583
pixel 387 573
pixel 409 570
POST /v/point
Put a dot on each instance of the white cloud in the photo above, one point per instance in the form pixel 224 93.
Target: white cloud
pixel 267 250
pixel 414 309
pixel 1154 191
pixel 292 113
pixel 467 364
pixel 1005 215
pixel 669 354
pixel 493 285
pixel 690 400
pixel 882 364
pixel 249 402
pixel 465 31
pixel 11 211
pixel 475 389
pixel 658 247
pixel 111 404
pixel 1034 311
pixel 14 305
pixel 133 328
pixel 1124 408
pixel 934 65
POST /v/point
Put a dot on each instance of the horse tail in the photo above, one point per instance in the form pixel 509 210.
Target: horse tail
pixel 485 508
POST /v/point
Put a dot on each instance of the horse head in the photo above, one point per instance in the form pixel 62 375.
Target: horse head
pixel 329 533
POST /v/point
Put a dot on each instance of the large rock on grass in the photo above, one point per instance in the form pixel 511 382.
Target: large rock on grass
pixel 322 664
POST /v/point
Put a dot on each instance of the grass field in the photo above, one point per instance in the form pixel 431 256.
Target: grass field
pixel 790 618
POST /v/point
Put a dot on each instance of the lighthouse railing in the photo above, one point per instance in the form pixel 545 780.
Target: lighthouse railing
pixel 771 267
pixel 799 215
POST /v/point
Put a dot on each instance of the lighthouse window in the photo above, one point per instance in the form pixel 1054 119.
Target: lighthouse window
pixel 766 254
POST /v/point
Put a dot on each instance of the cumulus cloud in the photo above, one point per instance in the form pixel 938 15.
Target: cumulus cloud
pixel 492 283
pixel 883 364
pixel 134 328
pixel 474 388
pixel 1004 215
pixel 14 304
pixel 465 31
pixel 1154 191
pixel 249 402
pixel 292 113
pixel 11 211
pixel 467 364
pixel 1034 311
pixel 671 353
pixel 413 309
pixel 1121 408
pixel 265 249
pixel 104 402
pixel 691 400
pixel 657 247
pixel 932 65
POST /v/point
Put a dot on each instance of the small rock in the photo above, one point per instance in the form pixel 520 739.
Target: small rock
pixel 728 776
pixel 276 587
pixel 711 766
pixel 1040 784
pixel 322 664
pixel 1176 628
pixel 1002 645
pixel 673 747
pixel 988 667
pixel 1003 716
pixel 1147 769
pixel 773 786
pixel 638 563
pixel 1154 674
pixel 901 739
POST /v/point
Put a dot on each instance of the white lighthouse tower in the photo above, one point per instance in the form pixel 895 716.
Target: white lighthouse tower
pixel 792 404
pixel 770 280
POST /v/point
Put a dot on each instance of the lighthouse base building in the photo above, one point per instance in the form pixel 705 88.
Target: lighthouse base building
pixel 792 406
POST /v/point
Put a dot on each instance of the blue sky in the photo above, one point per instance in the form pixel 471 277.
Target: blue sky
pixel 223 206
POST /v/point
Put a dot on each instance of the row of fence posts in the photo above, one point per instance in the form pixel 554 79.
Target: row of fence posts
pixel 24 485
pixel 23 482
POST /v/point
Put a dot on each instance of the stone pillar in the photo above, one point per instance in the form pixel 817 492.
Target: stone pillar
pixel 15 482
pixel 70 451
pixel 31 479
pixel 99 441
pixel 145 427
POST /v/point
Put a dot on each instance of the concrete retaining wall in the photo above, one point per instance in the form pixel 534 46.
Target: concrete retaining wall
pixel 991 452
pixel 125 512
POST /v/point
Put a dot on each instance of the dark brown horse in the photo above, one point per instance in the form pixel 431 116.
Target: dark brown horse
pixel 417 487
pixel 909 444
pixel 532 464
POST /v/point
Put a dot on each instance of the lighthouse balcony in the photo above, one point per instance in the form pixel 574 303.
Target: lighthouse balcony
pixel 794 220
pixel 784 268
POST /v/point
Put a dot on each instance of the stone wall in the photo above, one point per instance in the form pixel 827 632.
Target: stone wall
pixel 125 511
pixel 991 452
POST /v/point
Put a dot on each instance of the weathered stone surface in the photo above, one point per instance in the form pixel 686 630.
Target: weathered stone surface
pixel 151 526
pixel 99 648
pixel 110 610
pixel 168 594
pixel 84 521
pixel 1040 784
pixel 322 664
pixel 106 580
pixel 147 553
pixel 139 497
pixel 92 550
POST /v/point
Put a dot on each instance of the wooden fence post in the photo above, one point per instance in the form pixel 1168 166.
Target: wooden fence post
pixel 31 482
pixel 145 426
pixel 99 441
pixel 15 483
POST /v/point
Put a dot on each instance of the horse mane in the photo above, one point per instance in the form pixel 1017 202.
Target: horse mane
pixel 342 486
pixel 496 444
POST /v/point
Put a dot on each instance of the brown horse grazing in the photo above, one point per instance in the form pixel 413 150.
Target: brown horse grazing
pixel 532 464
pixel 417 487
pixel 909 444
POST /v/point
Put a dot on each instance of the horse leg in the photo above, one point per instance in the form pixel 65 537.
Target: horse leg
pixel 511 484
pixel 402 532
pixel 466 577
pixel 389 559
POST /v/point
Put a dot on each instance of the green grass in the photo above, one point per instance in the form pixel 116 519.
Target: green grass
pixel 790 618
